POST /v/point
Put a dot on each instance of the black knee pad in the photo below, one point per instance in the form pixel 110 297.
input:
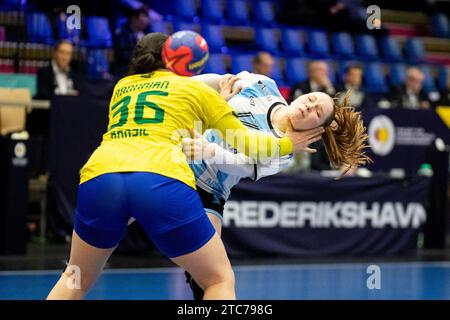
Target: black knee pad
pixel 197 291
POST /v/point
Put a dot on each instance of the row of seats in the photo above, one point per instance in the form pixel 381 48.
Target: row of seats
pixel 377 76
pixel 318 43
pixel 293 42
pixel 263 13
pixel 315 44
pixel 230 11
pixel 440 25
pixel 98 31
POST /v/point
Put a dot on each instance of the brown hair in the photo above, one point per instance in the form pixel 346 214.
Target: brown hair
pixel 345 136
pixel 147 54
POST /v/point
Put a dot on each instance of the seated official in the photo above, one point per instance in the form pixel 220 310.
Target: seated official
pixel 58 78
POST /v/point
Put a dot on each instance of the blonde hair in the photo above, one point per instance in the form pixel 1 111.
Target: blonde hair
pixel 345 136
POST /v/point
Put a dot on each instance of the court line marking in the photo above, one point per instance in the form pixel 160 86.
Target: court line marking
pixel 267 267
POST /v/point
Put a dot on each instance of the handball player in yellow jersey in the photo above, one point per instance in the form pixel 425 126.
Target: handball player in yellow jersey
pixel 139 171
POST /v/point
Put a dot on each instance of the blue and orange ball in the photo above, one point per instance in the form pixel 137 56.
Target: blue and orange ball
pixel 185 53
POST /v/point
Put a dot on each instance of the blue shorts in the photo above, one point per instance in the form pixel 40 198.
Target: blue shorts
pixel 169 210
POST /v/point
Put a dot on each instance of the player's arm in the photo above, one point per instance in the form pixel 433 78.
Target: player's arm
pixel 260 146
pixel 273 167
pixel 199 148
pixel 236 164
pixel 221 117
pixel 226 85
pixel 210 79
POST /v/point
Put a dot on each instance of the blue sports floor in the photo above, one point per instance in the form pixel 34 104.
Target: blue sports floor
pixel 412 280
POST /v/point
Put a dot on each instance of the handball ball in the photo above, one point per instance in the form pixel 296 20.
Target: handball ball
pixel 185 53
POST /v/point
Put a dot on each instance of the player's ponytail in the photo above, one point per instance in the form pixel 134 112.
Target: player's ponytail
pixel 345 137
pixel 147 54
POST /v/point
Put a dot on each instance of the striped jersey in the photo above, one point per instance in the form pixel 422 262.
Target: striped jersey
pixel 254 105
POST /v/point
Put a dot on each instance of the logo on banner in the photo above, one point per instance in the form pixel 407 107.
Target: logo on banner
pixel 20 151
pixel 381 135
pixel 326 214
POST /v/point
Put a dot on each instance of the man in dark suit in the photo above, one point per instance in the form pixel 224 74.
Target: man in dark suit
pixel 58 78
pixel 410 95
pixel 318 80
pixel 353 79
pixel 262 63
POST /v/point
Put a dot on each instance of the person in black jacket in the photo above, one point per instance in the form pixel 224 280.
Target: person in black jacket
pixel 410 95
pixel 125 39
pixel 58 78
pixel 353 79
pixel 318 80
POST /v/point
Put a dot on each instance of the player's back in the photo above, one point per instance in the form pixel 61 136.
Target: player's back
pixel 145 113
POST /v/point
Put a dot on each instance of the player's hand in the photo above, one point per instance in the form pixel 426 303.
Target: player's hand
pixel 197 147
pixel 302 139
pixel 226 86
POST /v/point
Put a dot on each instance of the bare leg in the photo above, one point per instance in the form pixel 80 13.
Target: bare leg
pixel 197 291
pixel 90 260
pixel 216 222
pixel 211 269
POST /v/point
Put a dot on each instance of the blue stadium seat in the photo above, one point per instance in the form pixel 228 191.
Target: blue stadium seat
pixel 374 79
pixel 185 9
pixel 241 63
pixel 214 37
pixel 215 64
pixel 366 47
pixel 158 26
pixel 331 71
pixel 277 73
pixel 443 74
pixel 318 45
pixel 292 42
pixel 10 4
pixel 428 82
pixel 73 35
pixel 238 11
pixel 99 34
pixel 180 25
pixel 38 28
pixel 263 12
pixel 212 10
pixel 98 64
pixel 121 21
pixel 397 74
pixel 296 70
pixel 343 45
pixel 391 49
pixel 414 50
pixel 266 39
pixel 440 25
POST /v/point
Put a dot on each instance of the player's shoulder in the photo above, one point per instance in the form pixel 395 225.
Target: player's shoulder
pixel 245 75
pixel 195 85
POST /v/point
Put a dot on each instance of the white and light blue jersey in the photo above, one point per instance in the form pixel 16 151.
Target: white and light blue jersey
pixel 254 105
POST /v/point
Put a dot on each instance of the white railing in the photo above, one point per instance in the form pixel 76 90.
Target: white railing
pixel 33 104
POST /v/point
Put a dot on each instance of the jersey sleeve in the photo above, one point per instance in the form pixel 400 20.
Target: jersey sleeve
pixel 253 144
pixel 214 106
pixel 273 167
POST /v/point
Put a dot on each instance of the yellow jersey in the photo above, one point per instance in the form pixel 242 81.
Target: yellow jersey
pixel 145 113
